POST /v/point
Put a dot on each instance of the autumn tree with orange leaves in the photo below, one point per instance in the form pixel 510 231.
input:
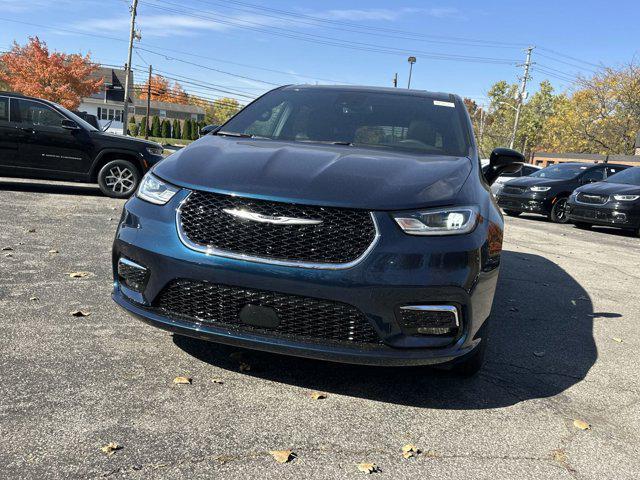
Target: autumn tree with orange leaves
pixel 62 78
pixel 163 91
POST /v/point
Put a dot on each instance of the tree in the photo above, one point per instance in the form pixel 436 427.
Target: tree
pixel 142 131
pixel 133 129
pixel 177 133
pixel 186 130
pixel 163 91
pixel 534 120
pixel 221 111
pixel 132 119
pixel 155 127
pixel 166 129
pixel 195 130
pixel 59 77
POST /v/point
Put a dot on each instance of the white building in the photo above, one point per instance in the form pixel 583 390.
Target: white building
pixel 107 104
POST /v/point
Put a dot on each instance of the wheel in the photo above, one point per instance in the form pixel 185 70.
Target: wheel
pixel 471 364
pixel 559 211
pixel 582 225
pixel 512 213
pixel 118 179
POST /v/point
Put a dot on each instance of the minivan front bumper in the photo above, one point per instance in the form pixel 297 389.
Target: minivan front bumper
pixel 401 270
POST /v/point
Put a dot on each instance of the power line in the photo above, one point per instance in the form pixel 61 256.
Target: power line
pixel 324 40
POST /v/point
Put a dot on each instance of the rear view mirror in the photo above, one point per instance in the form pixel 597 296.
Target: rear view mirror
pixel 502 160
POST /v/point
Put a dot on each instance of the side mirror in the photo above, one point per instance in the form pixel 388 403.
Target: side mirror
pixel 69 124
pixel 208 129
pixel 502 160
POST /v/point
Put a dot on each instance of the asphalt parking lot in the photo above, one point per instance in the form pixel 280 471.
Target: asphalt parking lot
pixel 565 346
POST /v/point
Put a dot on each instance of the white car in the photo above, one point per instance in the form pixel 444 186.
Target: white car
pixel 526 170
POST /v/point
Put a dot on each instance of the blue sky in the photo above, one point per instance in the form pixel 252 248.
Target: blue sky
pixel 247 46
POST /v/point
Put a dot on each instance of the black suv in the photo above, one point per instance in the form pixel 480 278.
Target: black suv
pixel 546 191
pixel 41 139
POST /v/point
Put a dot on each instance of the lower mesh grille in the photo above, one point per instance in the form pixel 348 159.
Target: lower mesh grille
pixel 301 317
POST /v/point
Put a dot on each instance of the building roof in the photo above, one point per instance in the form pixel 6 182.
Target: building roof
pixel 169 107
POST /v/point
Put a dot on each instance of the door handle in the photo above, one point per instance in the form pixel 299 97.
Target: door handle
pixel 27 130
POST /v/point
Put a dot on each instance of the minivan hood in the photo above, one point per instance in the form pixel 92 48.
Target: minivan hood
pixel 608 188
pixel 332 175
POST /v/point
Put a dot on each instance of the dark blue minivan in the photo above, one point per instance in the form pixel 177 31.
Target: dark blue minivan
pixel 351 224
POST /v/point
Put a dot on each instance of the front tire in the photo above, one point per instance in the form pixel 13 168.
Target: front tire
pixel 512 213
pixel 118 179
pixel 559 211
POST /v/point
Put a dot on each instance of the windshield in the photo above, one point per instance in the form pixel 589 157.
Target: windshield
pixel 76 118
pixel 379 119
pixel 630 176
pixel 560 172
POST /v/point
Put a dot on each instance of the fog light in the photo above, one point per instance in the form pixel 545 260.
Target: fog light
pixel 619 216
pixel 132 275
pixel 429 319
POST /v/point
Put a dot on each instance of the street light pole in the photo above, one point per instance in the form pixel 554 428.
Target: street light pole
pixel 127 70
pixel 521 94
pixel 411 61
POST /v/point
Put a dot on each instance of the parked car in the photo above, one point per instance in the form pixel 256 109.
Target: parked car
pixel 349 224
pixel 614 202
pixel 526 170
pixel 43 140
pixel 546 191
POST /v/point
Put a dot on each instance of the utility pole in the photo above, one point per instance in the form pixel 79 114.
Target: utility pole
pixel 146 130
pixel 127 70
pixel 521 95
pixel 395 81
pixel 411 61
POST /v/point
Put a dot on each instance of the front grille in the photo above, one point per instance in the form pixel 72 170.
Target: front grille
pixel 592 198
pixel 343 235
pixel 442 322
pixel 513 190
pixel 303 318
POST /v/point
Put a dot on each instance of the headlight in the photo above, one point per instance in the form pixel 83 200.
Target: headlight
pixel 154 190
pixel 626 198
pixel 155 150
pixel 540 189
pixel 442 221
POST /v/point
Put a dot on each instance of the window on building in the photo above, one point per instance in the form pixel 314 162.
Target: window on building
pixel 163 113
pixel 111 114
pixel 118 115
pixel 194 116
pixel 104 113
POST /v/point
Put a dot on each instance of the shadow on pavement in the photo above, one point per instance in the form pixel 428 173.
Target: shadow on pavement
pixel 541 344
pixel 57 188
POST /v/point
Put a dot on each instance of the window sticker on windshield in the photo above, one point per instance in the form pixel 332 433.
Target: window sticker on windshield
pixel 440 103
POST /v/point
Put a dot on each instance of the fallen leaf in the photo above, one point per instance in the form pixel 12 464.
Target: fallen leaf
pixel 410 450
pixel 431 454
pixel 7 249
pixel 53 250
pixel 8 255
pixel 80 313
pixel 219 381
pixel 79 274
pixel 282 456
pixel 318 395
pixel 559 455
pixel 182 380
pixel 33 299
pixel 616 339
pixel 539 354
pixel 31 230
pixel 573 302
pixel 110 448
pixel 367 467
pixel 244 367
pixel 581 424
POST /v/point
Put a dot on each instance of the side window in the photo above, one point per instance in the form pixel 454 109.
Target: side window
pixel 526 171
pixel 4 109
pixel 613 170
pixel 35 113
pixel 596 175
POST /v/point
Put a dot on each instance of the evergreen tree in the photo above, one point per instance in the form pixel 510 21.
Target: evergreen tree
pixel 195 130
pixel 155 127
pixel 186 130
pixel 142 131
pixel 132 119
pixel 175 129
pixel 166 129
pixel 133 129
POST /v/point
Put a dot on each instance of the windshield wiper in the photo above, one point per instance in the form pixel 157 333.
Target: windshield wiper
pixel 327 142
pixel 235 134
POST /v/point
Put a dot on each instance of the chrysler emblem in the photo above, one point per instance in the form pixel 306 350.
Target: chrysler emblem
pixel 260 218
